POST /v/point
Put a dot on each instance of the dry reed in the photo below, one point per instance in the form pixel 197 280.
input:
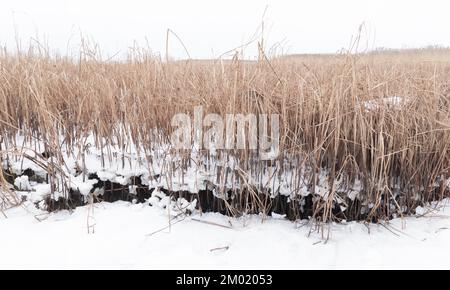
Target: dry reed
pixel 399 154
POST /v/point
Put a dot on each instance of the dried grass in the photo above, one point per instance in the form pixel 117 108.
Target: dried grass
pixel 399 153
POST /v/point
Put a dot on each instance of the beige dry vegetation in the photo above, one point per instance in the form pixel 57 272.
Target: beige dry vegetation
pixel 399 153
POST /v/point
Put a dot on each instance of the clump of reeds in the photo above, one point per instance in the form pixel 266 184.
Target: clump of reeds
pixel 399 154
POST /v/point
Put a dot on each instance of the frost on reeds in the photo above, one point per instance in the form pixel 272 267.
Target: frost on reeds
pixel 345 152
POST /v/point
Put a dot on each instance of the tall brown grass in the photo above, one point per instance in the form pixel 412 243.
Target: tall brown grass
pixel 397 152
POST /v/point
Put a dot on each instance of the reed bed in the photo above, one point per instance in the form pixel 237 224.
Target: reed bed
pixel 346 153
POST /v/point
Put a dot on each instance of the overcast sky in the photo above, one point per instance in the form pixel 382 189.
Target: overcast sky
pixel 210 28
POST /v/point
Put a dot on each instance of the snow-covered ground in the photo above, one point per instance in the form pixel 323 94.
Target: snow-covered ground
pixel 130 235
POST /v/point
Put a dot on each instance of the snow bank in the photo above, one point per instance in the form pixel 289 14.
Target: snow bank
pixel 137 236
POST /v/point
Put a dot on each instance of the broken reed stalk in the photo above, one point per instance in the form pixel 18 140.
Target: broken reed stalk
pixel 332 118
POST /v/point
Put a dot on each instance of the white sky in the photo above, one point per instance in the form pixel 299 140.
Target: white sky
pixel 210 28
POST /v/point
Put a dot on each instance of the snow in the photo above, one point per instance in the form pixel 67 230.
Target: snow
pixel 22 183
pixel 200 173
pixel 77 183
pixel 40 191
pixel 393 102
pixel 126 235
pixel 161 168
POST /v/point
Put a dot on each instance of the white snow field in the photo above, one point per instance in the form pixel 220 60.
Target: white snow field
pixel 126 235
